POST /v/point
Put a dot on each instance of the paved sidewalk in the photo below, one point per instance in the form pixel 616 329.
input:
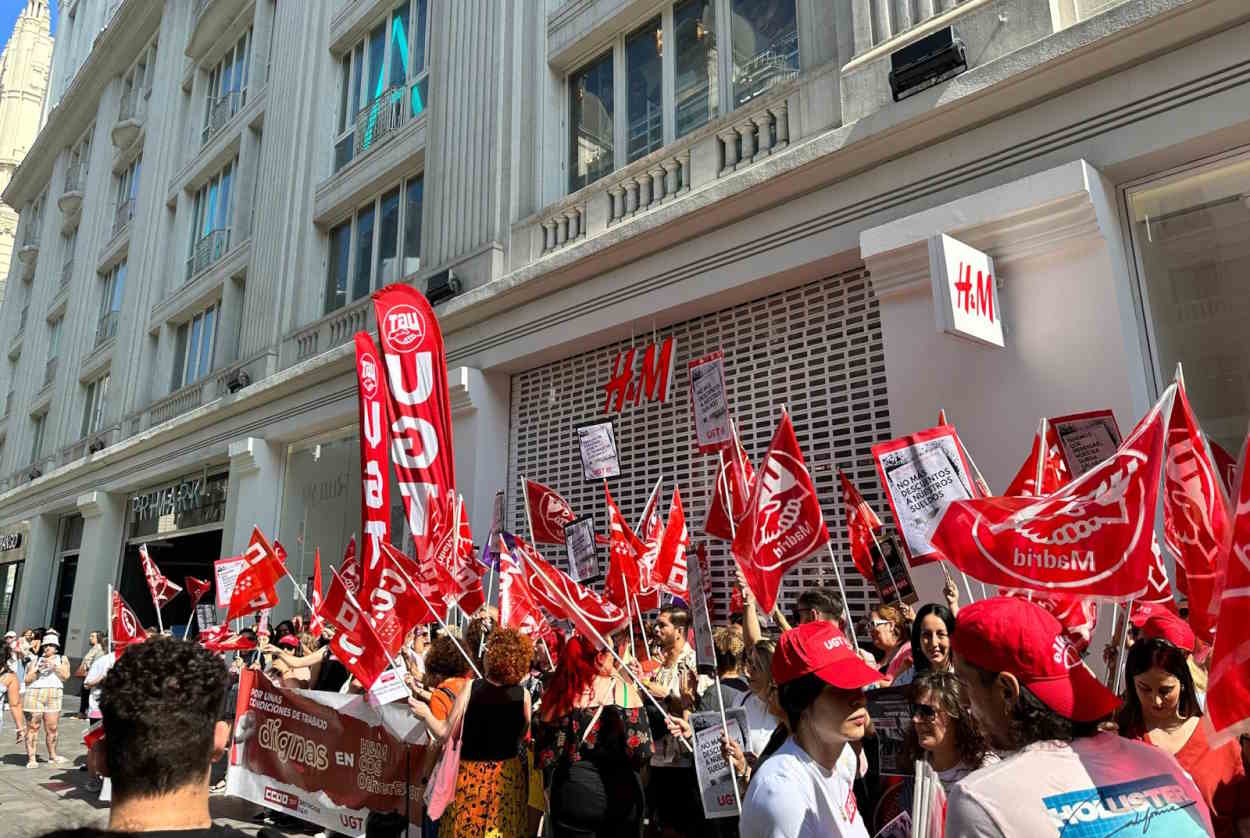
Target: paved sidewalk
pixel 37 800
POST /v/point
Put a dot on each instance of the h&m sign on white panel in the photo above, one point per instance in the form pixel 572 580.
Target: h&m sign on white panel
pixel 965 294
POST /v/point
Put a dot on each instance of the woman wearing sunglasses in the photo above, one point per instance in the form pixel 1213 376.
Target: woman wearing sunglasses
pixel 943 732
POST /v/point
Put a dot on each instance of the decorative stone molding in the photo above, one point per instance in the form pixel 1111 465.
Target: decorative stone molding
pixel 91 505
pixel 243 456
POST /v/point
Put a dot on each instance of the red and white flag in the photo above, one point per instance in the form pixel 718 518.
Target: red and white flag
pixel 1158 588
pixel 1196 517
pixel 862 526
pixel 1225 465
pixel 162 589
pixel 783 524
pixel 279 551
pixel 126 628
pixel 671 571
pixel 453 552
pixel 256 586
pixel 1091 538
pixel 394 605
pixel 1077 615
pixel 548 513
pixel 517 607
pixel 196 588
pixel 375 488
pixel 1045 471
pixel 734 480
pixel 350 567
pixel 315 624
pixel 564 598
pixel 1228 693
pixel 624 578
pixel 420 405
pixel 355 643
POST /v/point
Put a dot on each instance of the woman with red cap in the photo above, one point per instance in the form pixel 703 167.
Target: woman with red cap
pixel 1161 708
pixel 1033 695
pixel 806 788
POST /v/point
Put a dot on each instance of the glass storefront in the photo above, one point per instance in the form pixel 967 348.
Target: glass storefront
pixel 1191 240
pixel 68 545
pixel 12 561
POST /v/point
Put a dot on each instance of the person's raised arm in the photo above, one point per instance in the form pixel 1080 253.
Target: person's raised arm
pixel 752 633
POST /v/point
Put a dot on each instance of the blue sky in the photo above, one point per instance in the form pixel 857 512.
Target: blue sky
pixel 10 9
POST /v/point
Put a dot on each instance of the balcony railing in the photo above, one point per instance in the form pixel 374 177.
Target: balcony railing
pixel 378 122
pixel 106 328
pixel 177 403
pixel 220 110
pixel 125 212
pixel 67 273
pixel 335 329
pixel 49 372
pixel 208 250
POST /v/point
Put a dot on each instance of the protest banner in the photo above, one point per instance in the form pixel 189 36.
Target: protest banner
pixel 890 572
pixel 713 771
pixel 1086 438
pixel 597 443
pixel 710 403
pixel 922 473
pixel 704 648
pixel 226 572
pixel 325 758
pixel 582 552
pixel 890 710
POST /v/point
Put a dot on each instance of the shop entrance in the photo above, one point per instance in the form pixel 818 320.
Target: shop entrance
pixel 64 599
pixel 177 557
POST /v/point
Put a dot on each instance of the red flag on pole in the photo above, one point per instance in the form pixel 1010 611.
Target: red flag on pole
pixel 162 589
pixel 350 568
pixel 394 606
pixel 420 405
pixel 315 624
pixel 735 478
pixel 548 513
pixel 196 588
pixel 452 551
pixel 1196 518
pixel 564 598
pixel 1158 588
pixel 783 524
pixel 862 525
pixel 1228 694
pixel 279 551
pixel 1046 455
pixel 1077 615
pixel 671 571
pixel 1092 538
pixel 126 629
pixel 624 547
pixel 375 488
pixel 1225 465
pixel 517 607
pixel 355 643
pixel 255 587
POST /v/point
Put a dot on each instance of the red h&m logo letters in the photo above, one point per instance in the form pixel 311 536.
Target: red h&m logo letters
pixel 630 379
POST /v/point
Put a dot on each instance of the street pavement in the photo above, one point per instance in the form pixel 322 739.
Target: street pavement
pixel 38 800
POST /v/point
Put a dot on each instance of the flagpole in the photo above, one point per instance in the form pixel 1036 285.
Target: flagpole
pixel 433 611
pixel 525 497
pixel 642 628
pixel 846 606
pixel 1119 663
pixel 624 582
pixel 109 611
pixel 1115 619
pixel 1041 455
pixel 720 696
pixel 611 651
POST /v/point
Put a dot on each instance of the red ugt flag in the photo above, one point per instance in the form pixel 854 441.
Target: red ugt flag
pixel 355 643
pixel 517 607
pixel 255 588
pixel 1196 519
pixel 375 489
pixel 734 480
pixel 562 597
pixel 862 525
pixel 126 628
pixel 1228 696
pixel 394 606
pixel 1045 459
pixel 350 568
pixel 1091 538
pixel 162 589
pixel 196 588
pixel 624 547
pixel 671 571
pixel 548 513
pixel 453 553
pixel 783 524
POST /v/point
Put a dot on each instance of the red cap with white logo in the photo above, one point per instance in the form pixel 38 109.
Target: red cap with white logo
pixel 1167 626
pixel 819 648
pixel 1009 634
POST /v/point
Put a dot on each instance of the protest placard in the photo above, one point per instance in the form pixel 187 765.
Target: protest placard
pixel 704 649
pixel 390 686
pixel 205 615
pixel 1086 439
pixel 598 448
pixel 921 474
pixel 583 553
pixel 890 711
pixel 226 572
pixel 710 403
pixel 890 572
pixel 714 773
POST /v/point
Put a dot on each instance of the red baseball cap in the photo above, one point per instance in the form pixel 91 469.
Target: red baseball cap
pixel 1169 627
pixel 819 648
pixel 1009 634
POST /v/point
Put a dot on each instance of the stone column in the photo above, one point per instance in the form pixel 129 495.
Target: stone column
pixel 253 499
pixel 103 532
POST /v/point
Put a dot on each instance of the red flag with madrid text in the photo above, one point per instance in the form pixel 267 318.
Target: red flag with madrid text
pixel 420 404
pixel 862 525
pixel 783 524
pixel 548 513
pixel 355 643
pixel 1091 538
pixel 1228 692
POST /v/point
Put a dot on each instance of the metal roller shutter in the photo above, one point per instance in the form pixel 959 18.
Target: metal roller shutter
pixel 816 348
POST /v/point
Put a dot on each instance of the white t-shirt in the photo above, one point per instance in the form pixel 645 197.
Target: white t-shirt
pixel 49 678
pixel 99 668
pixel 1093 787
pixel 760 723
pixel 793 796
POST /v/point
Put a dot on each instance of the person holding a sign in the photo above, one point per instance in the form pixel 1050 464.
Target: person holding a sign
pixel 806 788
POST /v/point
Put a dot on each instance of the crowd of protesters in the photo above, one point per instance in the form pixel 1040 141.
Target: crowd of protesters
pixel 569 738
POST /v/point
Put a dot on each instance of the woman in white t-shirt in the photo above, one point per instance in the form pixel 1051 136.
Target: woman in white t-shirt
pixel 761 701
pixel 45 688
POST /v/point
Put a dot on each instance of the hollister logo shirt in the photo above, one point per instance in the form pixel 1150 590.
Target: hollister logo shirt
pixel 1098 787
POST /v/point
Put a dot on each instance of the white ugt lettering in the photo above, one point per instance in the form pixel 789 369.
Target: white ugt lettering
pixel 425 379
pixel 403 447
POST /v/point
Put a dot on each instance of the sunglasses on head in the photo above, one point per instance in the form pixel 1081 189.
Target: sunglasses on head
pixel 924 711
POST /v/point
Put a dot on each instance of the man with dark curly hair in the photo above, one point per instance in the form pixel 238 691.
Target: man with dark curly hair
pixel 162 708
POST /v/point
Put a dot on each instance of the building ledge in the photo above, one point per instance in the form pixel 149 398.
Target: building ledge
pixel 204 287
pixel 401 155
pixel 220 148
